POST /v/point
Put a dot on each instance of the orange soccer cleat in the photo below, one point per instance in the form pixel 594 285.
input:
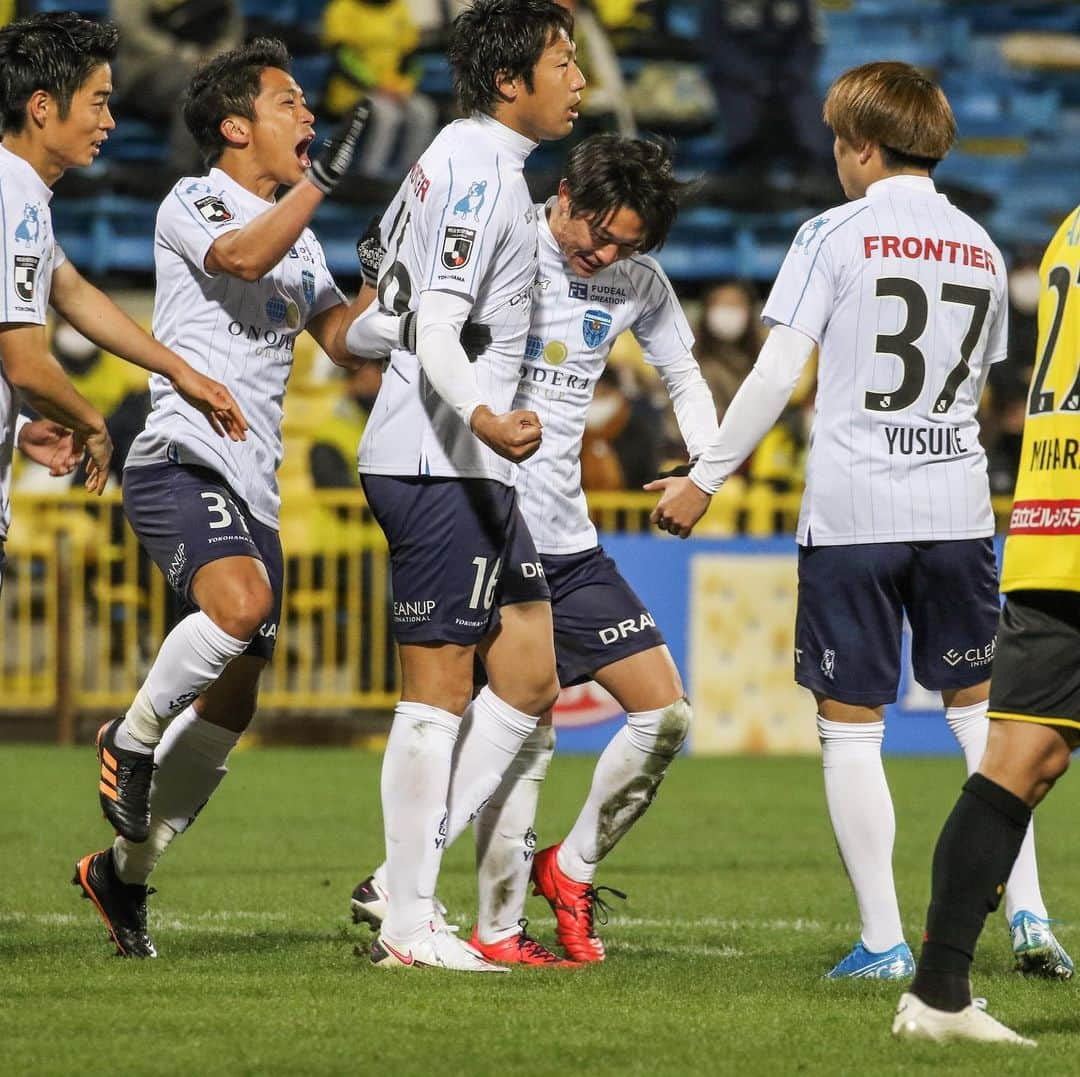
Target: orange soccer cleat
pixel 575 905
pixel 520 949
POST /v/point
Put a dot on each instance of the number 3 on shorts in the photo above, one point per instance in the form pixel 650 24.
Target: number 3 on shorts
pixel 481 563
pixel 217 507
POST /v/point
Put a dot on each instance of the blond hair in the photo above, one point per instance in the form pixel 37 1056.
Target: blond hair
pixel 895 105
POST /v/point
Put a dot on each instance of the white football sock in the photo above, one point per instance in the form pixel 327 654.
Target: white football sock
pixel 415 779
pixel 492 733
pixel 192 656
pixel 971 728
pixel 506 841
pixel 864 823
pixel 625 780
pixel 134 861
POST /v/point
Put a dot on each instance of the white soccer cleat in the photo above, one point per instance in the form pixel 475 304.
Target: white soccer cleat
pixel 916 1021
pixel 438 948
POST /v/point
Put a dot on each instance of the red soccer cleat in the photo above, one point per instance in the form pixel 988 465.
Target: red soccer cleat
pixel 574 904
pixel 521 949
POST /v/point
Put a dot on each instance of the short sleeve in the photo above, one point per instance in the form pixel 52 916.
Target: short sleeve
pixel 465 224
pixel 997 339
pixel 192 216
pixel 804 291
pixel 661 327
pixel 28 250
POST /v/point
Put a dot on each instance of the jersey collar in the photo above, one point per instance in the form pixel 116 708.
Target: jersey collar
pixel 241 194
pixel 915 184
pixel 25 169
pixel 518 145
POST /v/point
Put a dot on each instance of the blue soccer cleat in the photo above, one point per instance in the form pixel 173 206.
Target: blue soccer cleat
pixel 861 964
pixel 1037 950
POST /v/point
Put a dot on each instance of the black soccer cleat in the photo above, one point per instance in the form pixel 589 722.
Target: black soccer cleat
pixel 124 784
pixel 122 905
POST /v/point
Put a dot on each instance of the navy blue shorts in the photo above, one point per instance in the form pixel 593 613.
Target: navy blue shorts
pixel 187 516
pixel 598 618
pixel 449 540
pixel 850 616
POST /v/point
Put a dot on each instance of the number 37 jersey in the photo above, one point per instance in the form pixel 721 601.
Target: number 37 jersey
pixel 906 297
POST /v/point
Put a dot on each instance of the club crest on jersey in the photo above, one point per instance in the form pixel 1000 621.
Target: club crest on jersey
pixel 807 233
pixel 307 282
pixel 26 266
pixel 473 200
pixel 213 209
pixel 595 327
pixel 457 247
pixel 579 289
pixel 29 229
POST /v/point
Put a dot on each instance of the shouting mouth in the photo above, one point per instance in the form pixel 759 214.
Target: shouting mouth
pixel 301 150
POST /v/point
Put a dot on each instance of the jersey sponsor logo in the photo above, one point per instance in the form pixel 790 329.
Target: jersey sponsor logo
pixel 1045 517
pixel 925 249
pixel 420 183
pixel 611 294
pixel 280 310
pixel 457 247
pixel 625 629
pixel 973 656
pixel 307 283
pixel 828 662
pixel 176 569
pixel 26 267
pixel 412 612
pixel 534 347
pixel 472 201
pixel 805 236
pixel 213 209
pixel 555 352
pixel 269 338
pixel 579 289
pixel 31 228
pixel 268 630
pixel 595 327
pixel 531 570
pixel 538 375
pixel 924 441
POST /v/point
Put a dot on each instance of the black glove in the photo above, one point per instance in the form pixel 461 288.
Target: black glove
pixel 329 168
pixel 370 251
pixel 475 337
pixel 680 471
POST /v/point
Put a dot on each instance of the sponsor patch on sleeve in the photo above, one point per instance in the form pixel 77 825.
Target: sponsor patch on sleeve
pixel 213 209
pixel 457 246
pixel 26 267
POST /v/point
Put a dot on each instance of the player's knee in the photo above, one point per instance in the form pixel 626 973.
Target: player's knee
pixel 241 608
pixel 662 731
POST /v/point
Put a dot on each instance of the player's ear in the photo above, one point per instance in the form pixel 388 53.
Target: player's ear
pixel 40 106
pixel 506 86
pixel 866 151
pixel 236 131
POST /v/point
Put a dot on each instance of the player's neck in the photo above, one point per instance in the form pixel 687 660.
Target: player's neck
pixel 509 117
pixel 879 174
pixel 247 172
pixel 37 156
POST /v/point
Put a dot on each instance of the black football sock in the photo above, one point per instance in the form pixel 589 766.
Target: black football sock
pixel 974 856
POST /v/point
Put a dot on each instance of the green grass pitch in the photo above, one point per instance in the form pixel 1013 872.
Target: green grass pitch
pixel 737 906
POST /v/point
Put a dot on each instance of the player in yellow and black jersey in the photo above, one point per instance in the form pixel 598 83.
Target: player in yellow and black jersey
pixel 1035 692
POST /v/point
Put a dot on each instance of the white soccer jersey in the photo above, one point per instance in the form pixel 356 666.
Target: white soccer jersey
pixel 30 255
pixel 574 324
pixel 462 222
pixel 238 332
pixel 906 297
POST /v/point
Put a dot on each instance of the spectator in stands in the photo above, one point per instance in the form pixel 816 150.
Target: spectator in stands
pixel 761 58
pixel 728 339
pixel 162 42
pixel 117 389
pixel 372 41
pixel 333 449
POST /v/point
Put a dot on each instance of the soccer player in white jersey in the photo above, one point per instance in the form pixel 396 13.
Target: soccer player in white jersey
pixel 437 457
pixel 239 275
pixel 905 297
pixel 617 200
pixel 55 82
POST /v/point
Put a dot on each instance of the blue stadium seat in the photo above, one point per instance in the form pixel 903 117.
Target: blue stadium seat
pixel 98 9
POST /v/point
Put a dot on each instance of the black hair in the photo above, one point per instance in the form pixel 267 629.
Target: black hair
pixel 494 36
pixel 608 172
pixel 227 85
pixel 54 52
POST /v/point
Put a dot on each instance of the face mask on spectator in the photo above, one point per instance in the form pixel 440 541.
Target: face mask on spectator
pixel 1024 290
pixel 727 322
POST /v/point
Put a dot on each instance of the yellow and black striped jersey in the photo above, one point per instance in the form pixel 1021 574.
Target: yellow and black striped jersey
pixel 1043 548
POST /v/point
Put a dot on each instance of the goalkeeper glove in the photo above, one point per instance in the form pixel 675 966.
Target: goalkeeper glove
pixel 329 168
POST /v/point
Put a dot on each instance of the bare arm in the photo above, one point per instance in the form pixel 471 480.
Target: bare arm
pixel 331 327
